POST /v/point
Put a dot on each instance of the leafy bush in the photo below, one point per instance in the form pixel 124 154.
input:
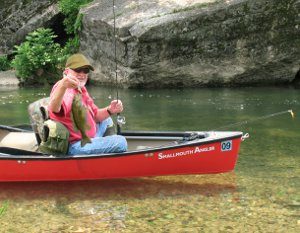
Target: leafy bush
pixel 38 58
pixel 72 22
pixel 70 8
pixel 71 46
pixel 4 63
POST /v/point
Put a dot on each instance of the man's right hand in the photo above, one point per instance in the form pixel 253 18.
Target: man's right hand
pixel 70 82
pixel 69 79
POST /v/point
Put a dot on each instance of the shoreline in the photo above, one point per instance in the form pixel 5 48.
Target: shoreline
pixel 8 78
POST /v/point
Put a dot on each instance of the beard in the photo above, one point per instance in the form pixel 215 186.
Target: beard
pixel 82 83
pixel 82 80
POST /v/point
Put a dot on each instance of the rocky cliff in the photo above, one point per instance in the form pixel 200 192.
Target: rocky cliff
pixel 163 43
pixel 19 17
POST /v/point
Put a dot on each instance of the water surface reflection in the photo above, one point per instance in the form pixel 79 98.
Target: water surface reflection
pixel 134 188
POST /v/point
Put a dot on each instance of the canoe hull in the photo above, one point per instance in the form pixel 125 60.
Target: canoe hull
pixel 197 157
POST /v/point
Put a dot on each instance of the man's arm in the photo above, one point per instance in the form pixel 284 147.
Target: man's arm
pixel 115 107
pixel 102 114
pixel 58 94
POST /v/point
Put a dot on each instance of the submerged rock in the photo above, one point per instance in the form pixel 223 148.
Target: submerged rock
pixel 165 43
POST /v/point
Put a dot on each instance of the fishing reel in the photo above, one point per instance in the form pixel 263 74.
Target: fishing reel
pixel 121 120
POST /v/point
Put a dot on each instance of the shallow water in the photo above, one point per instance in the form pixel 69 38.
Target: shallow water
pixel 261 195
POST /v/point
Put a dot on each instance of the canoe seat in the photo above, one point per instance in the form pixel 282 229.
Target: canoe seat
pixel 20 140
pixel 38 114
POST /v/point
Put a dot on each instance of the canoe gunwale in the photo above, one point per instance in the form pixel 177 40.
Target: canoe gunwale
pixel 15 129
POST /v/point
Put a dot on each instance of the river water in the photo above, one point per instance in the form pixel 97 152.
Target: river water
pixel 261 195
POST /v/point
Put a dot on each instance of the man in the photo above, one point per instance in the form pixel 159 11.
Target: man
pixel 98 119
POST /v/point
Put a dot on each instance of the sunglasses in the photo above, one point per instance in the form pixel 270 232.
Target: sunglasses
pixel 82 70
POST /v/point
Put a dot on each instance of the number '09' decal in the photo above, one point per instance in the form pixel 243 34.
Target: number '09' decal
pixel 226 145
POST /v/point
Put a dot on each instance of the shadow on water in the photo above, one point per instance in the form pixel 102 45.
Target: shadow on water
pixel 116 189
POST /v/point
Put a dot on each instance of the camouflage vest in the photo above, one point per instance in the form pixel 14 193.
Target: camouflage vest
pixel 52 136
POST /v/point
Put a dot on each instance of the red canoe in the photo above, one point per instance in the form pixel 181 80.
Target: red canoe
pixel 150 153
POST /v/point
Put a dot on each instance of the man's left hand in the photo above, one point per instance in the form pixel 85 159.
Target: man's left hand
pixel 115 106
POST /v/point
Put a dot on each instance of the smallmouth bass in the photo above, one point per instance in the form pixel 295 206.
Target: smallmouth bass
pixel 79 115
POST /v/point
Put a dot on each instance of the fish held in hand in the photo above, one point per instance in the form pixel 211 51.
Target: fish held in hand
pixel 79 114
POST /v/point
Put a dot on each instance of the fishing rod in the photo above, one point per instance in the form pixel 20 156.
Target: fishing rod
pixel 120 119
pixel 256 119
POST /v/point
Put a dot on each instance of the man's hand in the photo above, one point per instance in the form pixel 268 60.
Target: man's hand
pixel 115 106
pixel 69 80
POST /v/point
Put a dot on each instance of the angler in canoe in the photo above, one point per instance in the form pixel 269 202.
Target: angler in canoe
pixel 71 105
pixel 43 152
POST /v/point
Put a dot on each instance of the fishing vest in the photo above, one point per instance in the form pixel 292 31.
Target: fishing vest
pixel 52 136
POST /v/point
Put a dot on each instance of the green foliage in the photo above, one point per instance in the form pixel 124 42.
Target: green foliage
pixel 37 57
pixel 71 46
pixel 78 23
pixel 3 208
pixel 70 8
pixel 4 63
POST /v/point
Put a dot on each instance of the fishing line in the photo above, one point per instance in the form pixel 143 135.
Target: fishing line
pixel 115 51
pixel 120 119
pixel 256 119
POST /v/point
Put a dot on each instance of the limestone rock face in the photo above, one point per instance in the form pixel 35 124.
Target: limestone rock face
pixel 19 17
pixel 164 43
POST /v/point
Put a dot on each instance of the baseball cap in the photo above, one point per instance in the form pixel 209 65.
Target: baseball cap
pixel 78 60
